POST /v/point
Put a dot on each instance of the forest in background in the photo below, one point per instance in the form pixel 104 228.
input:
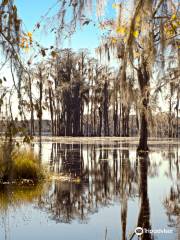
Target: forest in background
pixel 84 96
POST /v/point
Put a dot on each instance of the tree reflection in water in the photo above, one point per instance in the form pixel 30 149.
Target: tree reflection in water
pixel 172 201
pixel 102 180
pixel 106 175
pixel 144 213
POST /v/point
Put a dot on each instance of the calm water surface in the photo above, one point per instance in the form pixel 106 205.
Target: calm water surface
pixel 111 192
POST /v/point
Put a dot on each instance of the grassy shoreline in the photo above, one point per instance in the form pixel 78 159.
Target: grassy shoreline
pixel 19 165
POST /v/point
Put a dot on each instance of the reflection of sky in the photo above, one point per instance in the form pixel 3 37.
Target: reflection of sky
pixel 28 222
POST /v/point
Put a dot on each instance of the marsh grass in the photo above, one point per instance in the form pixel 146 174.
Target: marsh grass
pixel 19 165
pixel 26 166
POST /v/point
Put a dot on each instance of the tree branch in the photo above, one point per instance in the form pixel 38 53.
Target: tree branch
pixel 158 6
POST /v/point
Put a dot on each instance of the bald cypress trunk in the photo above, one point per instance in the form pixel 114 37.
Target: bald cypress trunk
pixel 31 105
pixel 105 109
pixel 115 118
pixel 177 117
pixel 40 102
pixel 143 146
pixel 76 110
pixel 170 116
pixel 143 79
pixel 100 121
pixel 51 111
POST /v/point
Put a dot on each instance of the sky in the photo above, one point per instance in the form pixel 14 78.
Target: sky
pixel 31 11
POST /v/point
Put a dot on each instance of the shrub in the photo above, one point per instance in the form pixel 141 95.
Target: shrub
pixel 19 164
pixel 26 165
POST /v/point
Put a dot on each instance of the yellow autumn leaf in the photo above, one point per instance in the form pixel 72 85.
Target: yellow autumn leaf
pixel 138 19
pixel 125 39
pixel 114 40
pixel 21 45
pixel 169 33
pixel 29 34
pixel 173 17
pixel 135 34
pixel 121 30
pixel 26 48
pixel 174 24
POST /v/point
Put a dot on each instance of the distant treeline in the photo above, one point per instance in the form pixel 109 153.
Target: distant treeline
pixel 160 129
pixel 82 97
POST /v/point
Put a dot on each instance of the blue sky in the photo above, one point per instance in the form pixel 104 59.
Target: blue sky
pixel 30 11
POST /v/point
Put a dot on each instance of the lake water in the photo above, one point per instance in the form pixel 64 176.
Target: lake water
pixel 100 190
